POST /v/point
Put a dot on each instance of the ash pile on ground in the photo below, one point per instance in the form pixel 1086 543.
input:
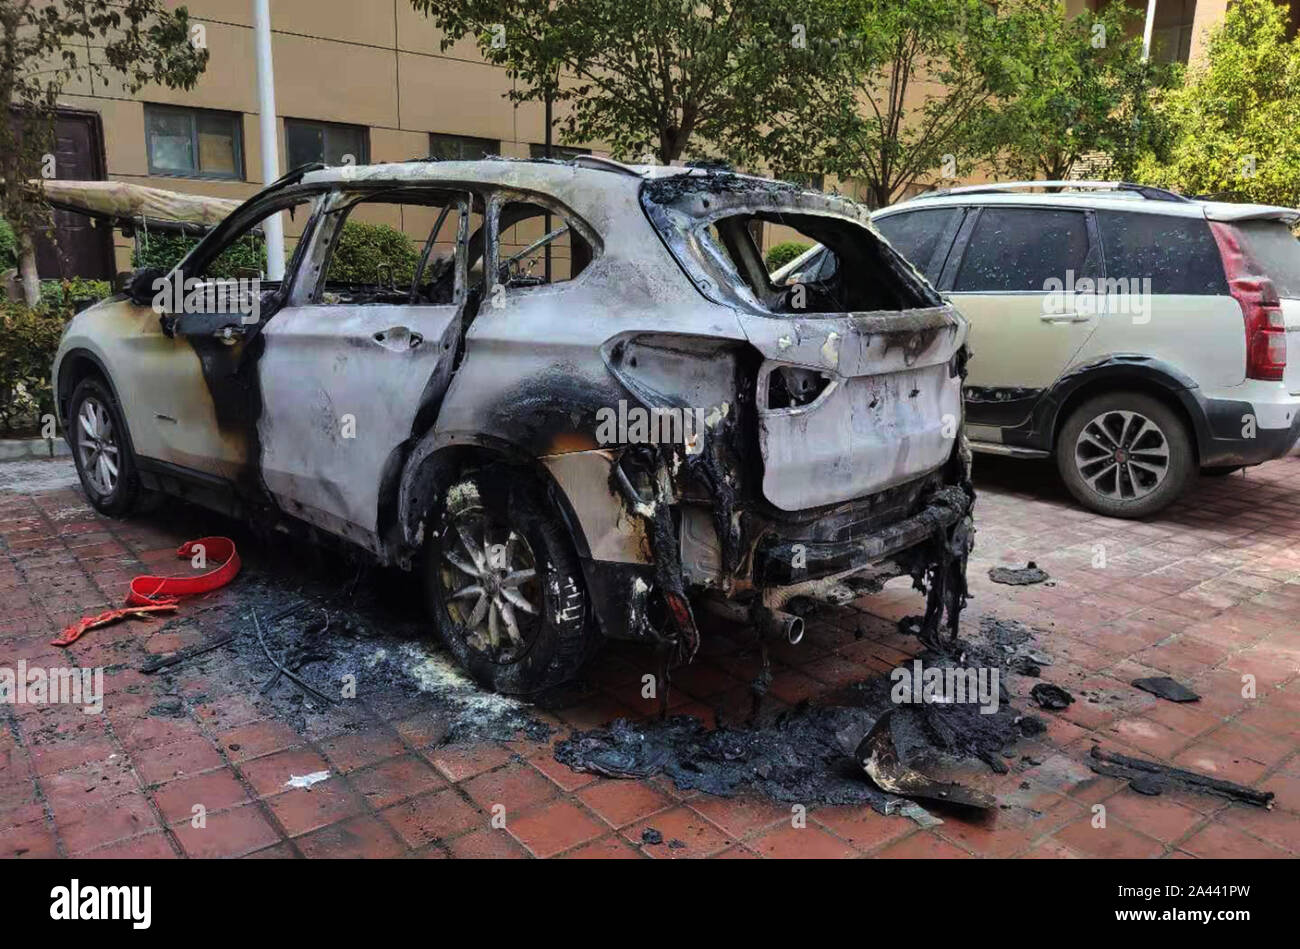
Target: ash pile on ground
pixel 806 754
pixel 1019 576
pixel 325 622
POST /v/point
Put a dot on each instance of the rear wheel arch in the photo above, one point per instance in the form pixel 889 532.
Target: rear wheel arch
pixel 430 466
pixel 1151 378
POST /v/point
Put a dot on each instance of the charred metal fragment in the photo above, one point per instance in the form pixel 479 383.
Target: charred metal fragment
pixel 1150 777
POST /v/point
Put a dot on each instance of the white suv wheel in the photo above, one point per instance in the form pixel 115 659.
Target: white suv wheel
pixel 1122 455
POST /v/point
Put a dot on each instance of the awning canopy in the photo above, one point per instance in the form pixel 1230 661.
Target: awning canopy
pixel 131 206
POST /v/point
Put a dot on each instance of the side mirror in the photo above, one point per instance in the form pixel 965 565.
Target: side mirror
pixel 140 284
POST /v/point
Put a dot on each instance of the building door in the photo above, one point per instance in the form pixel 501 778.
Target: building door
pixel 81 246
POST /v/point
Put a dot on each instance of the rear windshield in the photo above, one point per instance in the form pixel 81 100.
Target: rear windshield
pixel 1272 245
pixel 721 228
pixel 1178 254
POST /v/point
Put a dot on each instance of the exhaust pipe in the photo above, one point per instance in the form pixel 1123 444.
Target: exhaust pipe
pixel 771 624
pixel 778 624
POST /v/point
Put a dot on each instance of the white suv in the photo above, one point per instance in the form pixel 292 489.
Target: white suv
pixel 1136 334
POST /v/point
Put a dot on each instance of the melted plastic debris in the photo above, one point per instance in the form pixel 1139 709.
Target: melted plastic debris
pixel 1051 696
pixel 1166 688
pixel 806 754
pixel 306 780
pixel 1019 576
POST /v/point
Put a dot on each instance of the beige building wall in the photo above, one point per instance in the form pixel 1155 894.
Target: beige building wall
pixel 372 63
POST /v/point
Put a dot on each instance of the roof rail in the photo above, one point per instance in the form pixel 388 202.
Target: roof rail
pixel 607 164
pixel 1150 192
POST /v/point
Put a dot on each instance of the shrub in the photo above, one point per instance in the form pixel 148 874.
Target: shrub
pixel 8 246
pixel 366 253
pixel 29 337
pixel 781 254
pixel 69 293
pixel 248 254
pixel 373 253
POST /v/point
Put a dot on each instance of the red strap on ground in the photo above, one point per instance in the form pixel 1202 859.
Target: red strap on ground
pixel 150 594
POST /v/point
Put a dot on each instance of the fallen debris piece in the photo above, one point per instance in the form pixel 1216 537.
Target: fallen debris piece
pixel 306 780
pixel 281 670
pixel 1166 688
pixel 84 625
pixel 148 593
pixel 154 663
pixel 1019 576
pixel 651 837
pixel 1150 777
pixel 1050 696
pixel 879 757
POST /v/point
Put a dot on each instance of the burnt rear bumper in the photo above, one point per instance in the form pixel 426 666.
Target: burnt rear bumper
pixel 780 562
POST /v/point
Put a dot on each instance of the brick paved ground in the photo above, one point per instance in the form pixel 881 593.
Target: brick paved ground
pixel 1207 593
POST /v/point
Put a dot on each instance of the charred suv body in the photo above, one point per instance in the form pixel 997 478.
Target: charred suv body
pixel 587 411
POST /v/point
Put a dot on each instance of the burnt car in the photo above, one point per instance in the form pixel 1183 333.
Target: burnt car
pixel 585 412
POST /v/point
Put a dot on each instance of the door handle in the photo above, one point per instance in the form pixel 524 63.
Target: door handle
pixel 398 339
pixel 1065 317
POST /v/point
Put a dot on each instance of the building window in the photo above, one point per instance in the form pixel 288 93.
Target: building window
pixel 461 147
pixel 307 142
pixel 558 152
pixel 194 143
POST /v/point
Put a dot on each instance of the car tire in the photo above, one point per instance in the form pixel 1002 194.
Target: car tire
pixel 101 449
pixel 485 534
pixel 1125 454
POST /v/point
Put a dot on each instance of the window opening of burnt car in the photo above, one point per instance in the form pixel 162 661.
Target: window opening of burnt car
pixel 522 225
pixel 864 277
pixel 431 280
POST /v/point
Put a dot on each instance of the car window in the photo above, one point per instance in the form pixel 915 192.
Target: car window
pixel 1272 245
pixel 242 253
pixel 1178 254
pixel 871 278
pixel 1020 249
pixel 536 247
pixel 391 250
pixel 916 234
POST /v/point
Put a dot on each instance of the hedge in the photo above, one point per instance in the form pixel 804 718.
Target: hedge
pixel 29 337
pixel 8 246
pixel 366 253
pixel 781 254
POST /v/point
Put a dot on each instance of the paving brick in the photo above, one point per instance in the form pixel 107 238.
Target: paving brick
pixel 554 828
pixel 431 817
pixel 213 790
pixel 620 802
pixel 361 836
pixel 358 749
pixel 271 774
pixel 231 833
pixel 801 843
pixel 395 780
pixel 517 787
pixel 178 759
pixel 698 836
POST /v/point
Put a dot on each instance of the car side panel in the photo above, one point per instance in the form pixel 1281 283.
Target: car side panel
pixel 1204 336
pixel 160 386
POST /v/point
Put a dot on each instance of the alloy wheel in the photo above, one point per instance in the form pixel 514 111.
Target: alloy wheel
pixel 1122 455
pixel 489 584
pixel 97 446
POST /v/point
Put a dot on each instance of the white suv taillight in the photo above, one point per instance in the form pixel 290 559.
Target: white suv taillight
pixel 1260 305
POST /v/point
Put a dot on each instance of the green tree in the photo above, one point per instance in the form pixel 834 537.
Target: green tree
pixel 660 77
pixel 46 45
pixel 1083 89
pixel 912 88
pixel 1233 122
